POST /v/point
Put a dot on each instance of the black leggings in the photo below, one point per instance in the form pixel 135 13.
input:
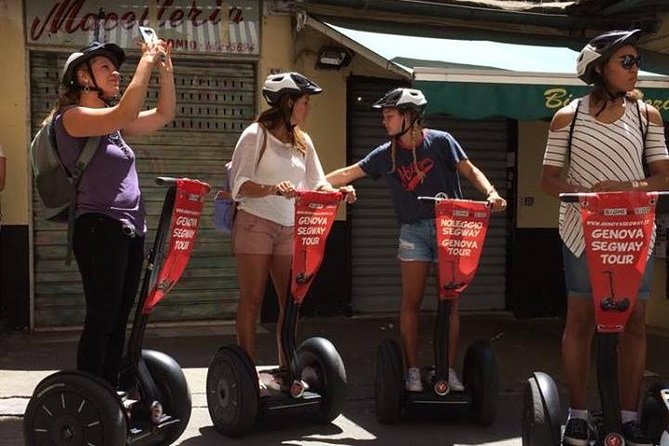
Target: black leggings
pixel 110 264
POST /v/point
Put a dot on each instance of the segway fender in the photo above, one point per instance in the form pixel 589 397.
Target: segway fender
pixel 655 412
pixel 541 411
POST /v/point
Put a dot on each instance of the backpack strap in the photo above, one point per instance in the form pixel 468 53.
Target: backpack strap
pixel 85 157
pixel 644 135
pixel 264 143
pixel 571 130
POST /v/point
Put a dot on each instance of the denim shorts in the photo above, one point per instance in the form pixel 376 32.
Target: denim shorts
pixel 577 277
pixel 418 242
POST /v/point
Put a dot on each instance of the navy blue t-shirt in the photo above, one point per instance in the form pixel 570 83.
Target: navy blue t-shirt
pixel 436 157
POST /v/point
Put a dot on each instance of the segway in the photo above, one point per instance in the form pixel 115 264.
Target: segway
pixel 315 380
pixel 461 228
pixel 613 222
pixel 152 405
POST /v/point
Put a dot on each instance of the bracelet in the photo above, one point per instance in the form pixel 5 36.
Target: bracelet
pixel 491 191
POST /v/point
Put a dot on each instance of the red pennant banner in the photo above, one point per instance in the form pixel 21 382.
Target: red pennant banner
pixel 617 228
pixel 461 229
pixel 185 221
pixel 314 215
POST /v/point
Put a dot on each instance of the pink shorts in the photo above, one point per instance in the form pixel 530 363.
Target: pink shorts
pixel 256 235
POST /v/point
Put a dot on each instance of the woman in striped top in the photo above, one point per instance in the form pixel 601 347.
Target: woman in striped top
pixel 603 141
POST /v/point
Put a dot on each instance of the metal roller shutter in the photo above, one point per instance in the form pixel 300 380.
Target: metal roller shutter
pixel 376 284
pixel 215 102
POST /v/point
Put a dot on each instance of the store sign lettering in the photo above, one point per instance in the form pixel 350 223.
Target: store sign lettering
pixel 556 98
pixel 66 16
pixel 660 104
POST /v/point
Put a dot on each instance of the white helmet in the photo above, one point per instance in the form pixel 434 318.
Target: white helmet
pixel 279 84
pixel 599 49
pixel 403 98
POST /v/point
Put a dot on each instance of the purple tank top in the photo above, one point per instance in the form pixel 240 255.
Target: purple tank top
pixel 109 185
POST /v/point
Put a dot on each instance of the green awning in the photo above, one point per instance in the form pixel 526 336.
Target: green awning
pixel 524 102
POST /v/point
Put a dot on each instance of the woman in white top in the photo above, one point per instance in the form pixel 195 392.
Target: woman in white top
pixel 613 134
pixel 273 158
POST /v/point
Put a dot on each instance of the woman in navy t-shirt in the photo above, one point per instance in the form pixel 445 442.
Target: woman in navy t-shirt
pixel 417 162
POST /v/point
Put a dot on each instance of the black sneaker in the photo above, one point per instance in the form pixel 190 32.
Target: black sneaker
pixel 576 433
pixel 634 435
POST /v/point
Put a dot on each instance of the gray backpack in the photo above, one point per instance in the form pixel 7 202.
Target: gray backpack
pixel 56 186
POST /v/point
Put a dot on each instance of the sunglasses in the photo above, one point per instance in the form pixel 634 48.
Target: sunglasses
pixel 628 61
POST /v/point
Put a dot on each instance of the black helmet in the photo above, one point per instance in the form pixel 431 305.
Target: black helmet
pixel 287 83
pixel 94 49
pixel 599 49
pixel 403 98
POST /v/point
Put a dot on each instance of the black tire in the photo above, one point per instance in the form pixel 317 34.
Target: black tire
pixel 388 386
pixel 170 380
pixel 330 381
pixel 74 407
pixel 654 412
pixel 480 379
pixel 232 391
pixel 541 411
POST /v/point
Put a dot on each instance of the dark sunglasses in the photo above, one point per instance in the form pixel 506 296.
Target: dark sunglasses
pixel 628 61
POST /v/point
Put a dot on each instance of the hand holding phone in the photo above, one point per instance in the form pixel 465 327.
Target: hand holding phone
pixel 148 34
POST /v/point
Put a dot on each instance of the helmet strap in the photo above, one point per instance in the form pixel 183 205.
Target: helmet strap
pixel 406 128
pixel 611 97
pixel 95 85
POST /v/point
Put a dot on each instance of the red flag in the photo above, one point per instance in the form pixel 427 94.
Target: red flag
pixel 186 213
pixel 461 229
pixel 617 228
pixel 314 214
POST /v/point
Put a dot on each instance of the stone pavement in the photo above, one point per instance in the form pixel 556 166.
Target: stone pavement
pixel 521 347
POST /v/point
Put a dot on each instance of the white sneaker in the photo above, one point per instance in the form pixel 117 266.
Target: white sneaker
pixel 453 381
pixel 413 382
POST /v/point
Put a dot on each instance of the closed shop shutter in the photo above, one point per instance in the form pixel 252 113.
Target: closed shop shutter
pixel 215 102
pixel 376 284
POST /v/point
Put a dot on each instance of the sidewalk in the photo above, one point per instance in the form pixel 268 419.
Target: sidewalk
pixel 521 347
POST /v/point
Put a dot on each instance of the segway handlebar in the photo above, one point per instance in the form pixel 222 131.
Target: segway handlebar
pixel 166 181
pixel 573 197
pixel 441 197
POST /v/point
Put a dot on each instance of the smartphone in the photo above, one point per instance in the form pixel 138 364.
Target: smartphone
pixel 148 34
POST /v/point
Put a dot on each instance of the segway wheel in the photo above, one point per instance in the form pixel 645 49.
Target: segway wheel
pixel 171 383
pixel 321 356
pixel 541 411
pixel 480 379
pixel 388 385
pixel 232 391
pixel 73 408
pixel 654 414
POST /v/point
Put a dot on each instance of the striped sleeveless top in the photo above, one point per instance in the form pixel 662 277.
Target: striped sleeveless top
pixel 601 152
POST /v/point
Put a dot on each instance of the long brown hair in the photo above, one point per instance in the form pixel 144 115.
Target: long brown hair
pixel 66 96
pixel 416 133
pixel 279 116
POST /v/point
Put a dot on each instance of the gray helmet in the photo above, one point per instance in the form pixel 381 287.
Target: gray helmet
pixel 599 49
pixel 292 83
pixel 94 49
pixel 403 98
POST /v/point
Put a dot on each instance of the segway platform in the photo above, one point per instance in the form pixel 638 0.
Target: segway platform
pixel 461 229
pixel 315 380
pixel 154 404
pixel 617 229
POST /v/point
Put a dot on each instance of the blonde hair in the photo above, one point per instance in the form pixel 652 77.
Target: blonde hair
pixel 416 133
